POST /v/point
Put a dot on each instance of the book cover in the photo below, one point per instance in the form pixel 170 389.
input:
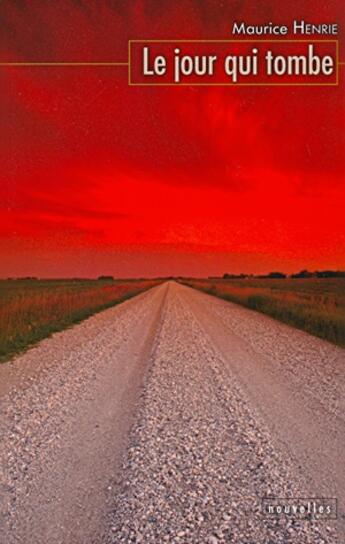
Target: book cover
pixel 172 272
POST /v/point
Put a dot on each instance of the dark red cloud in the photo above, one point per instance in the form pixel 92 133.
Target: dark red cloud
pixel 143 179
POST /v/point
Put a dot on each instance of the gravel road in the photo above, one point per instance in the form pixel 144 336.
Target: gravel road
pixel 167 419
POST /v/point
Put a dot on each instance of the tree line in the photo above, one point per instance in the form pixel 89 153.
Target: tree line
pixel 282 275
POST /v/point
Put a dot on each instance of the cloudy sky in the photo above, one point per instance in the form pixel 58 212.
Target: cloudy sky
pixel 98 177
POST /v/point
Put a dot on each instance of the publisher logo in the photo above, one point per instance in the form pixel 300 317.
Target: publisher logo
pixel 300 507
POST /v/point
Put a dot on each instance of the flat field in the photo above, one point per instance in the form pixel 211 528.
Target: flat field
pixel 316 305
pixel 32 309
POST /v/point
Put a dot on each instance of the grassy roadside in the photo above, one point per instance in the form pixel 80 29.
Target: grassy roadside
pixel 31 310
pixel 314 305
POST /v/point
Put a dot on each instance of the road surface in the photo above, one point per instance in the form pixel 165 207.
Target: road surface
pixel 167 419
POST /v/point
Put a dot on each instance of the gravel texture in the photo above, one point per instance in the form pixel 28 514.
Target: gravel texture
pixel 297 383
pixel 66 407
pixel 201 458
pixel 167 419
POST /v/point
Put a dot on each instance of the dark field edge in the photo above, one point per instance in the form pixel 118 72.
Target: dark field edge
pixel 48 330
pixel 321 327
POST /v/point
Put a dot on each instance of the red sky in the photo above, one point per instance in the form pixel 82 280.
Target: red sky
pixel 97 177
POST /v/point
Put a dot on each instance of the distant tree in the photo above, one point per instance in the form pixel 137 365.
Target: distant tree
pixel 272 275
pixel 105 278
pixel 234 276
pixel 276 275
pixel 303 274
pixel 330 274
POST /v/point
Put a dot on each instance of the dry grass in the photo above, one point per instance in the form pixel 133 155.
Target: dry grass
pixel 32 309
pixel 314 305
